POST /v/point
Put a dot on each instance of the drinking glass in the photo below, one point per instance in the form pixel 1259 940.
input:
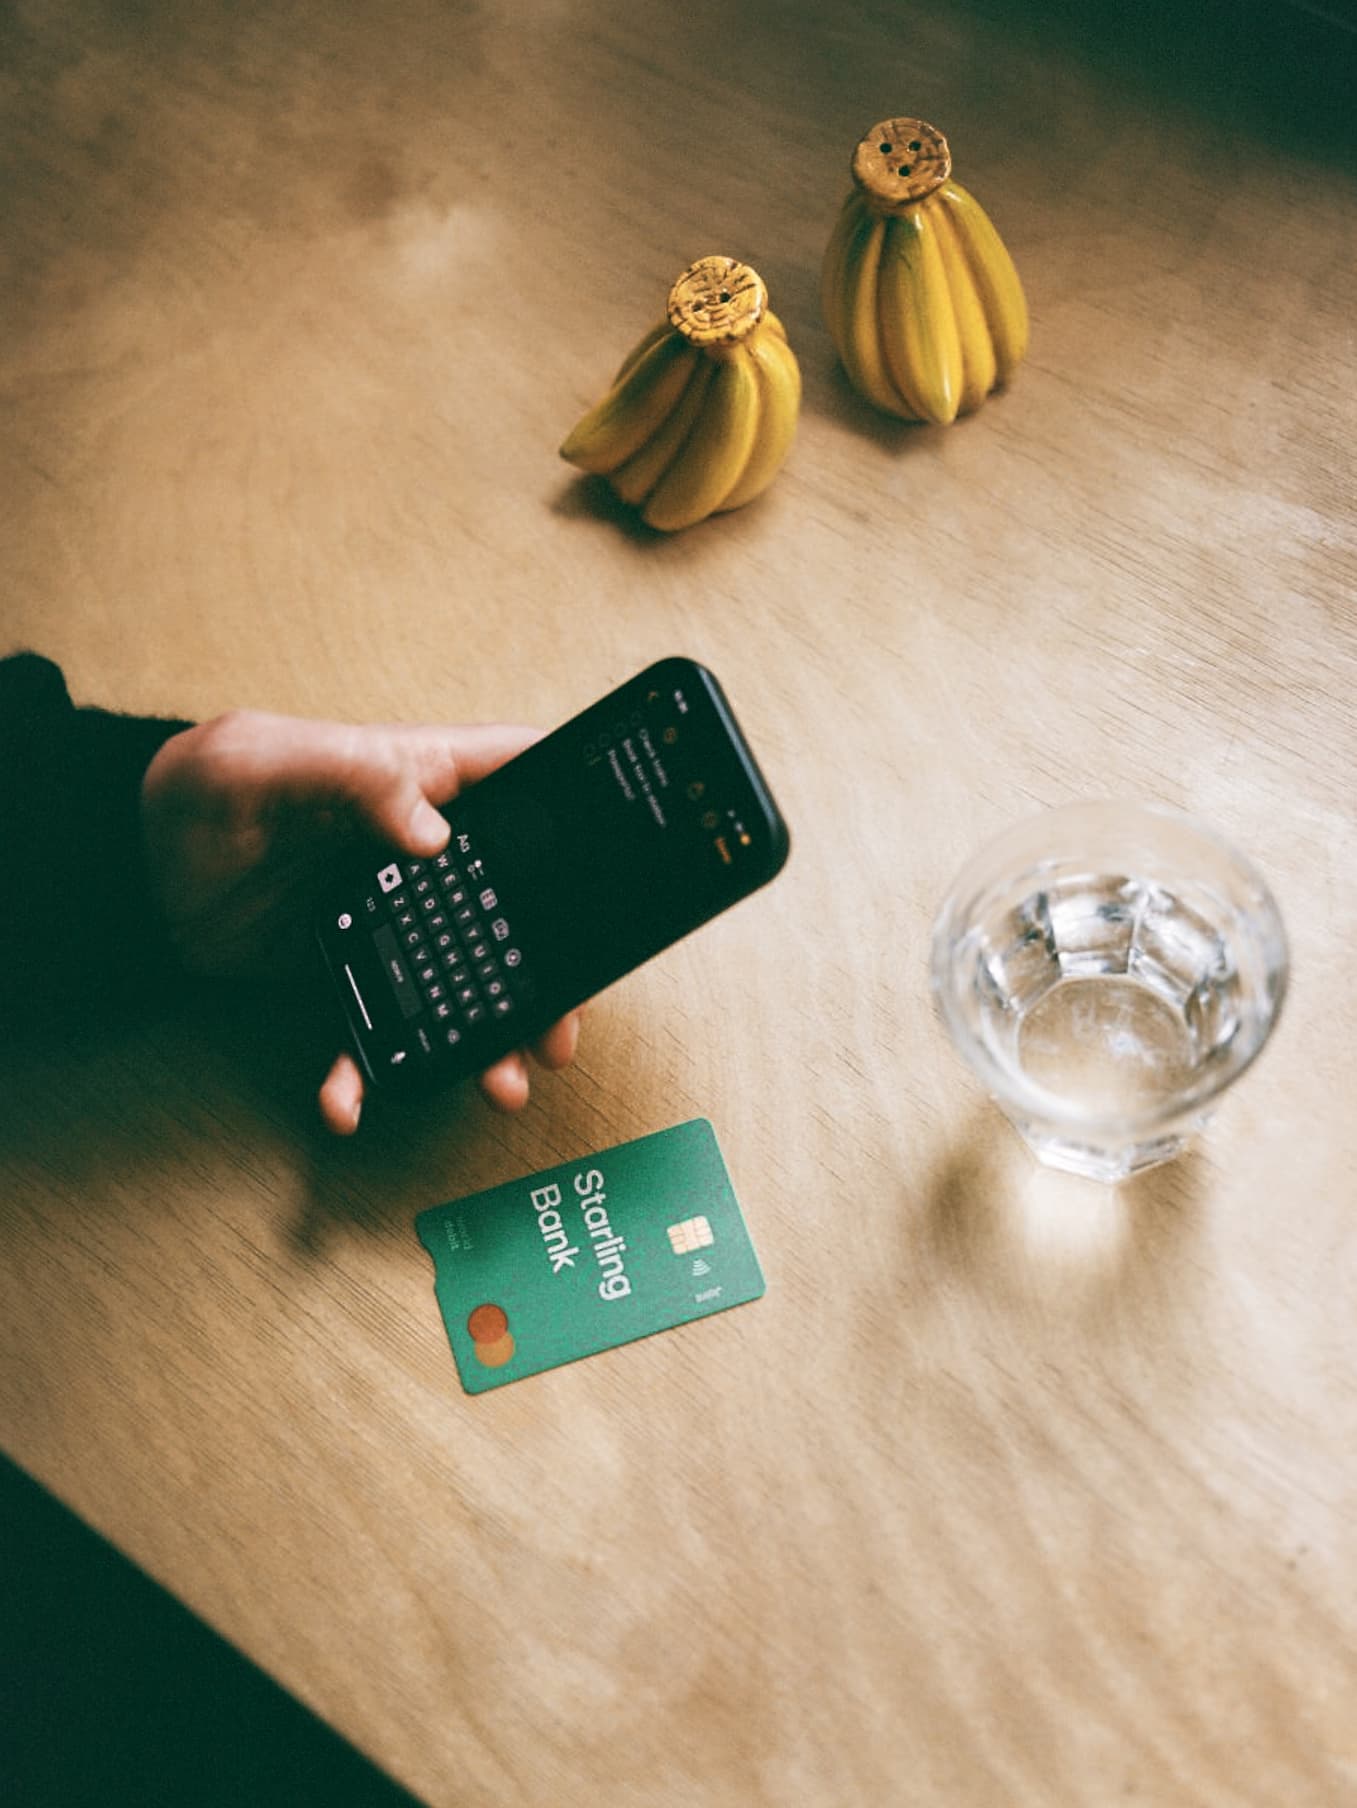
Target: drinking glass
pixel 1108 969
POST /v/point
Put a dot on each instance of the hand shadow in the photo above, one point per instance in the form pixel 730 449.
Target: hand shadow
pixel 214 1091
pixel 413 1149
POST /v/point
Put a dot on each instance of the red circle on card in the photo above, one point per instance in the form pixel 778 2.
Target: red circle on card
pixel 487 1324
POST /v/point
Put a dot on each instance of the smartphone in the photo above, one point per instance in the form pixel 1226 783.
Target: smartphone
pixel 605 842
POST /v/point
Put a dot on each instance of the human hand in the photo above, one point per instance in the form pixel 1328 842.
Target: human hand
pixel 247 817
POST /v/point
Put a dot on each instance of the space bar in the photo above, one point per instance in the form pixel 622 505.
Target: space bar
pixel 397 972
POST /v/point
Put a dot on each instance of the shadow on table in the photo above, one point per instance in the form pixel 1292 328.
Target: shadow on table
pixel 594 499
pixel 218 1085
pixel 223 1083
pixel 113 1693
pixel 998 1218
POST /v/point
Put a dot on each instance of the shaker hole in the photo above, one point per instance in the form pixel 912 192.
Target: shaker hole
pixel 905 168
pixel 914 145
pixel 725 295
pixel 884 149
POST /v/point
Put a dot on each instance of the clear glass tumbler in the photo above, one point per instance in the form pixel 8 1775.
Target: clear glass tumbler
pixel 1107 970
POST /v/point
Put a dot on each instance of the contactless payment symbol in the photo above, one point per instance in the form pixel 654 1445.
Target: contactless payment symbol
pixel 491 1336
pixel 691 1234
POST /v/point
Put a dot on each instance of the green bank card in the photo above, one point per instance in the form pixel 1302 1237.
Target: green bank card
pixel 591 1254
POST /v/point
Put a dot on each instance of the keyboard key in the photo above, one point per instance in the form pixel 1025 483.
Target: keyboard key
pixel 413 868
pixel 390 877
pixel 442 1009
pixel 412 938
pixel 465 915
pixel 487 970
pixel 428 905
pixel 453 1035
pixel 422 887
pixel 433 993
pixel 406 920
pixel 456 897
pixel 396 971
pixel 398 901
pixel 502 1006
pixel 500 929
pixel 512 957
pixel 427 974
pixel 443 940
pixel 488 898
pixel 473 1013
pixel 494 988
pixel 436 921
pixel 479 951
pixel 466 995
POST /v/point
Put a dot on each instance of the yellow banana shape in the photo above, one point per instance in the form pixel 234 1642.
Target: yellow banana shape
pixel 632 408
pixel 995 278
pixel 779 382
pixel 919 294
pixel 702 412
pixel 638 476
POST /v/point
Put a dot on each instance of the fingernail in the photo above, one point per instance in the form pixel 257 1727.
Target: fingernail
pixel 357 1113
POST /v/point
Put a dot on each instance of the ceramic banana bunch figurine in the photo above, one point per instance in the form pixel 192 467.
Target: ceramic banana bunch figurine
pixel 919 294
pixel 703 411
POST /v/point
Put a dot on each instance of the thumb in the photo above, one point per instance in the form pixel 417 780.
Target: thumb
pixel 398 812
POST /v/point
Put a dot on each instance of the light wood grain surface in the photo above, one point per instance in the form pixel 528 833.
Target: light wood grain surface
pixel 1012 1490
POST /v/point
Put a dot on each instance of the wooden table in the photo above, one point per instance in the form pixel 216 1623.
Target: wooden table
pixel 1013 1489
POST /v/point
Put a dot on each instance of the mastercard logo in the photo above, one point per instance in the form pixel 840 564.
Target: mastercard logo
pixel 491 1336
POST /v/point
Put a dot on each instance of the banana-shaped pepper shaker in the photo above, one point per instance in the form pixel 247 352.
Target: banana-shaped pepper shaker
pixel 703 411
pixel 919 294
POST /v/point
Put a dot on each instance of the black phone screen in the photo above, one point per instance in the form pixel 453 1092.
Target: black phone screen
pixel 614 836
pixel 587 854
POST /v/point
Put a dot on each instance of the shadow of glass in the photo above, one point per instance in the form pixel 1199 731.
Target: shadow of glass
pixel 999 1221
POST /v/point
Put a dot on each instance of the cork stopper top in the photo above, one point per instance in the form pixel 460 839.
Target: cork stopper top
pixel 717 302
pixel 899 162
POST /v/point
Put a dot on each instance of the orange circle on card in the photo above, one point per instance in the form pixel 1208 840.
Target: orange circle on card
pixel 495 1355
pixel 487 1324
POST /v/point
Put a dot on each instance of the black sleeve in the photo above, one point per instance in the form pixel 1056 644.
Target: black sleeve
pixel 77 930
